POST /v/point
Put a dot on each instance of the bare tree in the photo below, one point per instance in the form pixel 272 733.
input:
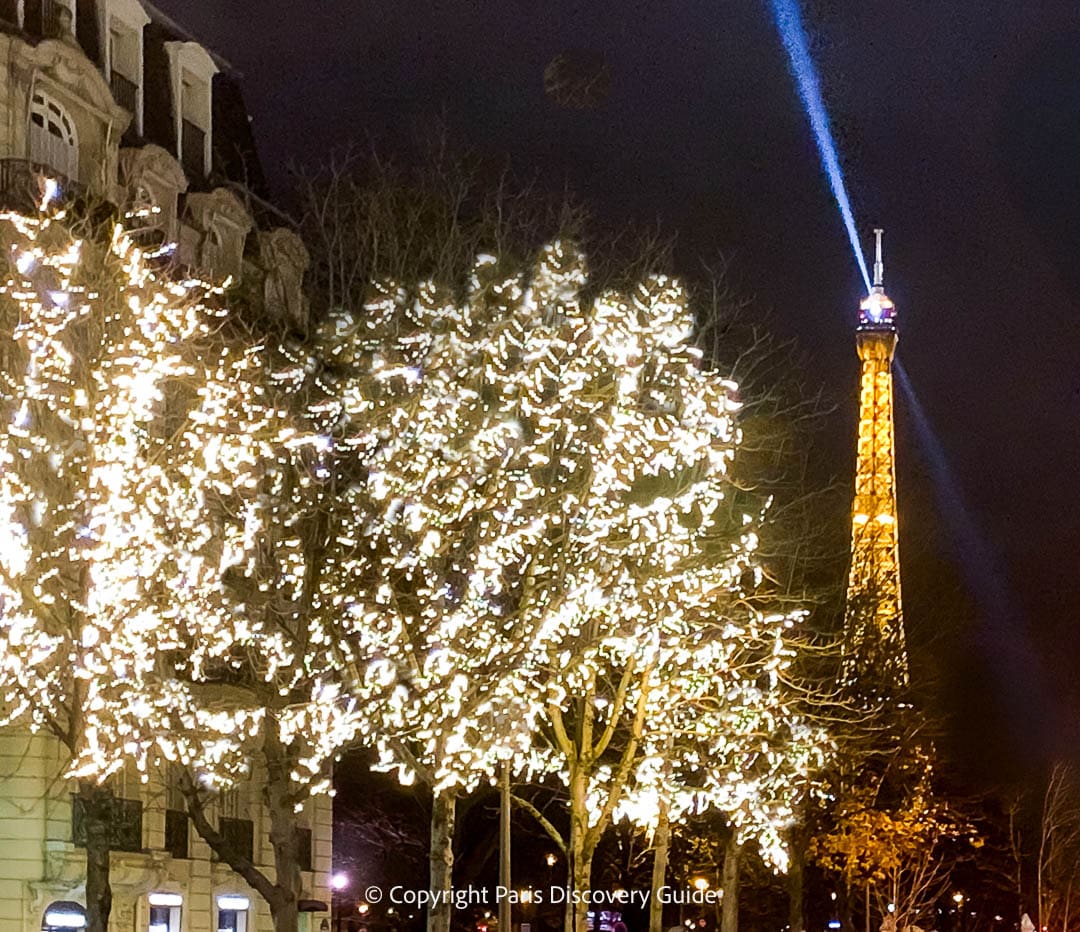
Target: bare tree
pixel 366 219
pixel 1057 864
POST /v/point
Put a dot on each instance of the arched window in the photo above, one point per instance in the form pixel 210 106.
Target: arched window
pixel 63 916
pixel 53 142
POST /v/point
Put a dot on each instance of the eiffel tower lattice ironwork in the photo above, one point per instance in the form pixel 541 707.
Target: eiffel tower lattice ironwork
pixel 874 649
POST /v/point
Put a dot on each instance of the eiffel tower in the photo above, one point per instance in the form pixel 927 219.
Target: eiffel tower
pixel 874 650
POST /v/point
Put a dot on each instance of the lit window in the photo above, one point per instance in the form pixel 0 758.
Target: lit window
pixel 232 913
pixel 165 912
pixel 63 915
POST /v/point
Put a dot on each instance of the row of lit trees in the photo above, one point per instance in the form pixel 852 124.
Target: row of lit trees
pixel 479 528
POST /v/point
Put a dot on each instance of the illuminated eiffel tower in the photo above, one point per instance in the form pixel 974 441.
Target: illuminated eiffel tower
pixel 874 652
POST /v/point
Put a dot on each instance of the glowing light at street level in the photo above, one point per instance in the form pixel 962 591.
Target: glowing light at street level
pixel 789 23
pixel 339 881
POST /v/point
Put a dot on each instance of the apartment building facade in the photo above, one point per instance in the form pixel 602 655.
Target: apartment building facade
pixel 120 105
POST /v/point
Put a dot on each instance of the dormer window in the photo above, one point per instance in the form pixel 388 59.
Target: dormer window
pixel 122 21
pixel 125 68
pixel 193 73
pixel 195 109
pixel 53 141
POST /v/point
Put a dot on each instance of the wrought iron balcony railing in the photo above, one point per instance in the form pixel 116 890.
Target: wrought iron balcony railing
pixel 22 185
pixel 125 823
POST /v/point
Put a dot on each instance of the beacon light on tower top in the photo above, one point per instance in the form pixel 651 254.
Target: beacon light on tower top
pixel 877 311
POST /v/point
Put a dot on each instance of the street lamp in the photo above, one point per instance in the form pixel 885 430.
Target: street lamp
pixel 337 882
pixel 958 899
pixel 551 859
pixel 701 883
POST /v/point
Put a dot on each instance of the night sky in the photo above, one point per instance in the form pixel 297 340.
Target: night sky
pixel 959 125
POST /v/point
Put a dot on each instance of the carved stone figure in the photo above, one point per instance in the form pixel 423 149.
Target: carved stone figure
pixel 284 259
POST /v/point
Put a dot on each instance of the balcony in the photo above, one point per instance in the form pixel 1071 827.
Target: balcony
pixel 125 823
pixel 22 185
pixel 125 92
pixel 193 149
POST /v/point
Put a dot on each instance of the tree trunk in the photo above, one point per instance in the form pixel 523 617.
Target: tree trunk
pixel 579 861
pixel 796 920
pixel 97 810
pixel 285 840
pixel 505 919
pixel 282 894
pixel 443 809
pixel 796 878
pixel 661 846
pixel 729 883
pixel 284 832
pixel 582 881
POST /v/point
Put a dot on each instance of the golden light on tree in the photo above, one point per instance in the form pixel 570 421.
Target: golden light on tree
pixel 478 530
pixel 93 343
pixel 557 549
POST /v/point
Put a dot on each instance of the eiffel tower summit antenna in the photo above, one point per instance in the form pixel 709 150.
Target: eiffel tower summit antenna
pixel 879 265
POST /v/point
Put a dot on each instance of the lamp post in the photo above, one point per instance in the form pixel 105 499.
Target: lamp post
pixel 338 883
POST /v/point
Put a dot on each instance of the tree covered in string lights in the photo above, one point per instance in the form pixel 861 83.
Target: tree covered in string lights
pixel 92 343
pixel 562 566
pixel 444 403
pixel 667 692
pixel 253 693
pixel 479 530
pixel 170 575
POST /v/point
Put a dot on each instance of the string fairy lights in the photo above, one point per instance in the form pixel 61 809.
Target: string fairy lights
pixel 547 509
pixel 91 349
pixel 458 529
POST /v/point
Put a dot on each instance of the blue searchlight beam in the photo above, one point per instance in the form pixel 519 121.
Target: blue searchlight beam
pixel 789 23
